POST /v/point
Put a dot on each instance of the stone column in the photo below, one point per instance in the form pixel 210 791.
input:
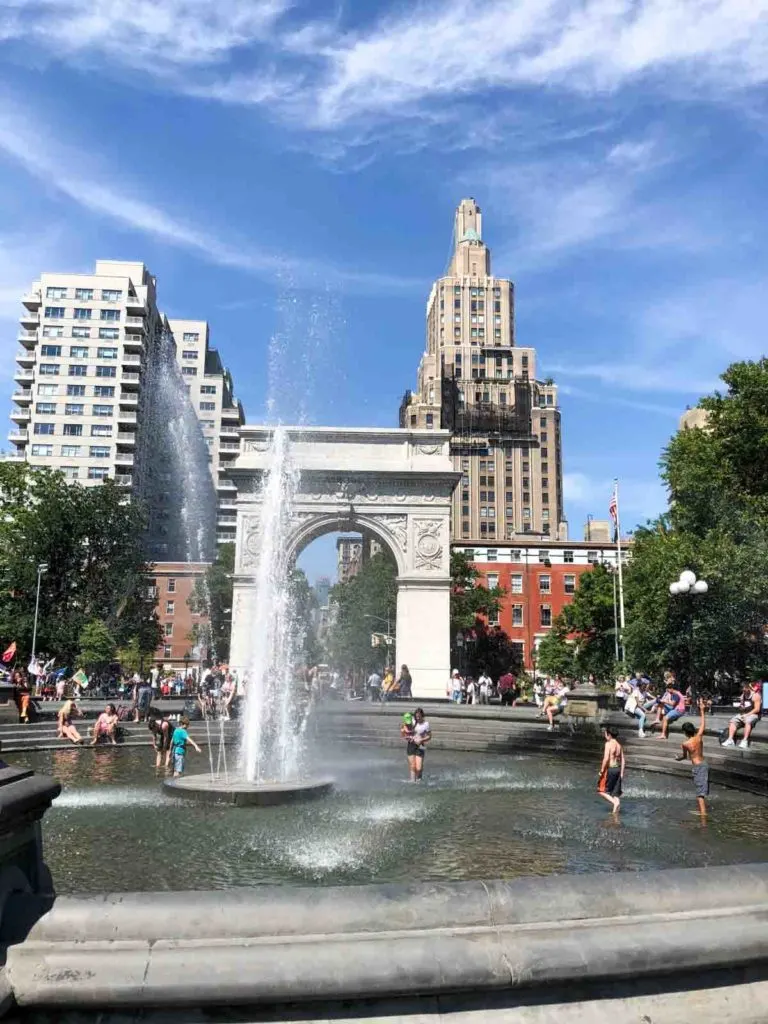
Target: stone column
pixel 423 633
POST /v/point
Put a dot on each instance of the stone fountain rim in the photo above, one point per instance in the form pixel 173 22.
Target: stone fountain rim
pixel 213 789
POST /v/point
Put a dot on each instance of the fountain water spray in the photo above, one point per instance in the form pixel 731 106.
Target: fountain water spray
pixel 271 750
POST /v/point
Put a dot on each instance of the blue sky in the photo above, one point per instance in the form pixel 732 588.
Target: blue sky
pixel 289 172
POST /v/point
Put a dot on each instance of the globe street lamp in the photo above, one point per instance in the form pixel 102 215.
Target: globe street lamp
pixel 687 585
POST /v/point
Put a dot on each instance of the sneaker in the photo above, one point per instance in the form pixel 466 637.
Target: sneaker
pixel 744 745
pixel 550 728
pixel 728 743
pixel 640 734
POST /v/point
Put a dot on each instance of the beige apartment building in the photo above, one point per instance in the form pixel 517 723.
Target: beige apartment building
pixel 219 412
pixel 80 387
pixel 78 393
pixel 476 381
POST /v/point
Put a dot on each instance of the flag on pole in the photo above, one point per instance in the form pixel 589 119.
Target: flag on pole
pixel 613 507
pixel 80 678
pixel 9 653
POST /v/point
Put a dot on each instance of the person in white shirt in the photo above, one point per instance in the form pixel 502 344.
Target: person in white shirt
pixel 417 746
pixel 485 683
pixel 374 687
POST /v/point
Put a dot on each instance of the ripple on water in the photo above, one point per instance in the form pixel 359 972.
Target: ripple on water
pixel 385 812
pixel 112 796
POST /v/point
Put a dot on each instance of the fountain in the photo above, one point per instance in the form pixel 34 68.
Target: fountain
pixel 271 765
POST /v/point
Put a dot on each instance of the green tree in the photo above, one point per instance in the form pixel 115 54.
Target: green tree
pixel 91 539
pixel 469 599
pixel 213 595
pixel 589 621
pixel 556 655
pixel 366 604
pixel 304 604
pixel 97 646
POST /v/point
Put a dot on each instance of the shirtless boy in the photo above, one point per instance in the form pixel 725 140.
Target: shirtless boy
pixel 613 770
pixel 693 750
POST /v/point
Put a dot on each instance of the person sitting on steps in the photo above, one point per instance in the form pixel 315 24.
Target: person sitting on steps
pixel 748 717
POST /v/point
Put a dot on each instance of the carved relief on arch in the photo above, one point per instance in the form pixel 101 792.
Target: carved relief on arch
pixel 428 544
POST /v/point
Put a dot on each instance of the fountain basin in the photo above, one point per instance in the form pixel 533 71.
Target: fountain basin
pixel 213 789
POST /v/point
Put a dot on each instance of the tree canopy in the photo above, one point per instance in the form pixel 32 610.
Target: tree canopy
pixel 91 539
pixel 213 594
pixel 365 604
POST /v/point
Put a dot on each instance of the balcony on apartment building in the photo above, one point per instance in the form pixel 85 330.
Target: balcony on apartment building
pixel 22 396
pixel 25 357
pixel 129 399
pixel 18 436
pixel 127 417
pixel 24 376
pixel 21 415
pixel 229 432
pixel 124 459
pixel 124 479
pixel 126 437
pixel 29 320
pixel 27 338
pixel 136 304
pixel 134 358
pixel 134 323
pixel 130 379
pixel 32 300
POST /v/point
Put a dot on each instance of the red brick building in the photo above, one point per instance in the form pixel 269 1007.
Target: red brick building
pixel 172 584
pixel 539 578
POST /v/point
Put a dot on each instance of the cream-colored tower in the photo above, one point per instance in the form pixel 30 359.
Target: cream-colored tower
pixel 475 381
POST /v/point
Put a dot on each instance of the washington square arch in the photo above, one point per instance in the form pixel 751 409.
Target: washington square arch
pixel 391 484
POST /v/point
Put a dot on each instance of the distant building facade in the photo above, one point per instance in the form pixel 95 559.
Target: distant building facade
pixel 172 584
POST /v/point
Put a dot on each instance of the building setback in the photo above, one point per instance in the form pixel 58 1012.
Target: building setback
pixel 476 381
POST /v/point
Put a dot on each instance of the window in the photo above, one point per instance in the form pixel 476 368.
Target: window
pixel 168 629
pixel 78 370
pixel 592 557
pixel 103 410
pixel 568 557
pixel 546 615
pixel 515 555
pixel 82 313
pixel 47 389
pixel 106 371
pixel 543 556
pixel 111 295
pixel 75 390
pixel 44 428
pixel 73 429
pixel 207 424
pixel 53 332
pixel 42 449
pixel 110 314
pixel 210 389
pixel 569 584
pixel 101 430
pixel 106 353
pixel 78 351
pixel 54 312
pixel 167 652
pixel 73 409
pixel 516 584
pixel 55 293
pixel 84 294
pixel 493 618
pixel 169 607
pixel 517 615
pixel 98 472
pixel 189 354
pixel 191 336
pixel 542 421
pixel 545 497
pixel 430 419
pixel 492 580
pixel 189 371
pixel 46 408
pixel 545 584
pixel 103 391
pixel 70 472
pixel 81 332
pixel 493 554
pixel 109 333
pixel 171 586
pixel 49 369
pixel 98 451
pixel 50 350
pixel 70 451
pixel 207 406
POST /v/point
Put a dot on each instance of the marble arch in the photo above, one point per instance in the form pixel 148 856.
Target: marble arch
pixel 395 485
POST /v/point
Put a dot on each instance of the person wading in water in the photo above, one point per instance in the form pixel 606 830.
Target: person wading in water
pixel 611 771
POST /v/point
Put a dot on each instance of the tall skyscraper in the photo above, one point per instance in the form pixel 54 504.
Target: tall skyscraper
pixel 476 381
pixel 81 388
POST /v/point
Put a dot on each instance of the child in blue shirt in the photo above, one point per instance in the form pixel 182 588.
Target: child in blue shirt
pixel 179 741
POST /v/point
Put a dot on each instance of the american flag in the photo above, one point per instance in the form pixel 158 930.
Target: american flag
pixel 613 507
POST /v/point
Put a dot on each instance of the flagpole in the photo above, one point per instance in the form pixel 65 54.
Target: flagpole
pixel 620 569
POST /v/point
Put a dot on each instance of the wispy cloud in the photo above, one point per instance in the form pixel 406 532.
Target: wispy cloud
pixel 61 170
pixel 640 499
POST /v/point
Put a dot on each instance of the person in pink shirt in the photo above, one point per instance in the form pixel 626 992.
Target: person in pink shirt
pixel 672 705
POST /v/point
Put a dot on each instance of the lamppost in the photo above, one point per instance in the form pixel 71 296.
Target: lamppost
pixel 42 568
pixel 460 648
pixel 688 585
pixel 388 642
